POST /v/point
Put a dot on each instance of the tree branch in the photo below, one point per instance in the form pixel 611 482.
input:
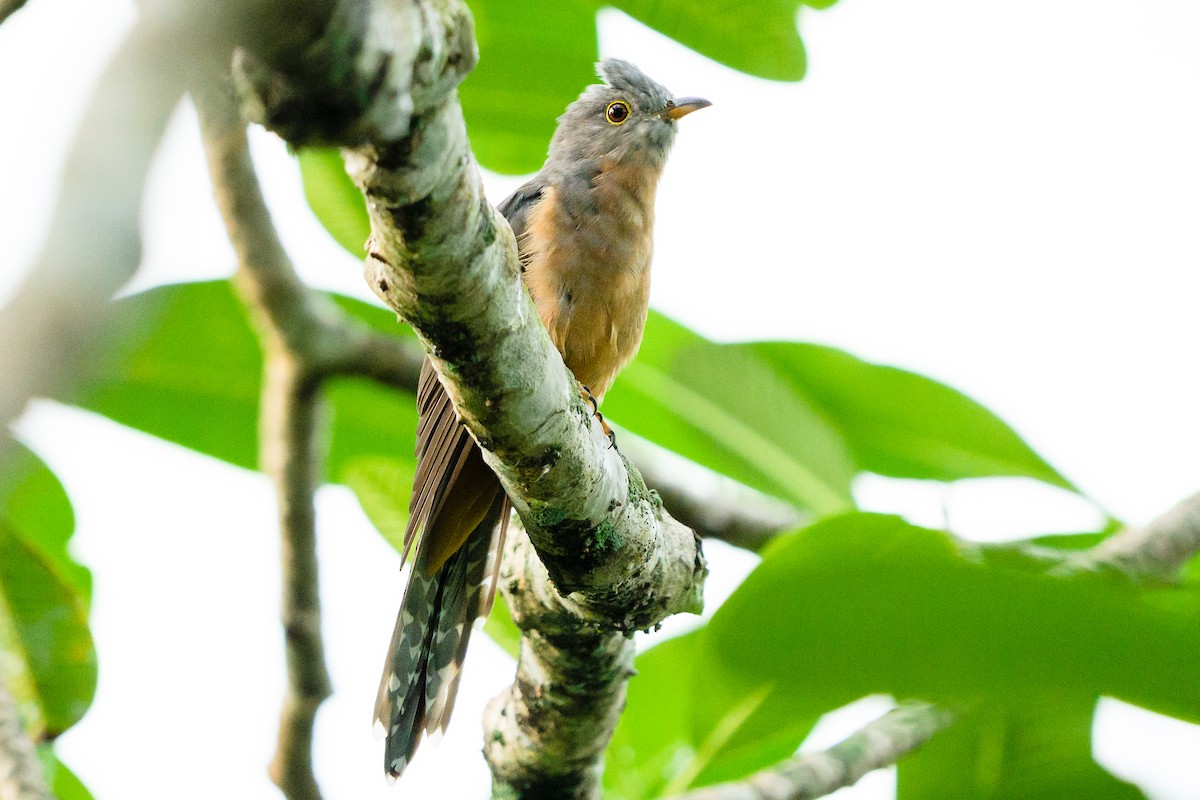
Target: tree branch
pixel 285 314
pixel 1152 553
pixel 878 744
pixel 550 728
pixel 21 775
pixel 51 325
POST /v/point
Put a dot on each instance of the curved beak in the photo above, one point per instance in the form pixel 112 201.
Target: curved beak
pixel 682 106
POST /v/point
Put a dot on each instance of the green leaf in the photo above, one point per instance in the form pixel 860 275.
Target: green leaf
pixel 187 368
pixel 901 424
pixel 1039 748
pixel 534 59
pixel 686 725
pixel 64 784
pixel 501 628
pixel 34 505
pixel 727 410
pixel 43 623
pixel 652 742
pixel 873 605
pixel 334 198
pixel 760 38
pixel 190 372
pixel 49 656
pixel 377 481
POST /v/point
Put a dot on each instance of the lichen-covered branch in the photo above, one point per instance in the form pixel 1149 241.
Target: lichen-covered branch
pixel 550 728
pixel 21 775
pixel 878 744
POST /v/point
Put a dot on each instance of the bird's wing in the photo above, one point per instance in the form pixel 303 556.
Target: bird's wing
pixel 516 207
pixel 457 520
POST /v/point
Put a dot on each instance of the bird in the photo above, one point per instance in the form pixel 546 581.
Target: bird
pixel 583 226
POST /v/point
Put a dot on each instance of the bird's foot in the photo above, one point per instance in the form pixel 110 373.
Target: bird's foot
pixel 588 398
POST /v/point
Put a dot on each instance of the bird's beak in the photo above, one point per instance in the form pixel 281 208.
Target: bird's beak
pixel 682 106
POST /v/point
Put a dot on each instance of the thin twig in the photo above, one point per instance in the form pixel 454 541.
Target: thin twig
pixel 882 742
pixel 290 443
pixel 1152 553
pixel 284 311
pixel 21 775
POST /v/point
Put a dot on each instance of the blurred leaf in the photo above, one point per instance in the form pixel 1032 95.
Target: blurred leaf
pixel 501 628
pixel 64 784
pixel 901 424
pixel 760 38
pixel 1040 748
pixel 727 410
pixel 191 373
pixel 187 368
pixel 334 198
pixel 874 605
pixel 685 726
pixel 652 742
pixel 36 507
pixel 47 622
pixel 44 596
pixel 377 481
pixel 534 59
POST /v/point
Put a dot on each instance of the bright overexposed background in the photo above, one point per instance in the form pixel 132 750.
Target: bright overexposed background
pixel 1002 196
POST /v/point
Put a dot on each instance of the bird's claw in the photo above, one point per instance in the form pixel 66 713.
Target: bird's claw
pixel 586 394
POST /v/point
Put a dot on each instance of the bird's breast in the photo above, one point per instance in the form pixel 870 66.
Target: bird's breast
pixel 589 271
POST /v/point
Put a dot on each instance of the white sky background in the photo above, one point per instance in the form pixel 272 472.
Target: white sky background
pixel 1001 196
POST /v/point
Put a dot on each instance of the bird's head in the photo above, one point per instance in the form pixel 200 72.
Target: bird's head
pixel 629 119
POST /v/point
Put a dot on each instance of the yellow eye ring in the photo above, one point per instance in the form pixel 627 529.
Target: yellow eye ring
pixel 617 112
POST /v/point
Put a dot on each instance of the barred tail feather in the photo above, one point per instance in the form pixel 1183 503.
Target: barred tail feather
pixel 429 643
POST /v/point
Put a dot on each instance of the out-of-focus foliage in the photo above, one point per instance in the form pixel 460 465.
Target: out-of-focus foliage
pixel 46 652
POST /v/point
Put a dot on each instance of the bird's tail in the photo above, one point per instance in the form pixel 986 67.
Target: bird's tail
pixel 420 676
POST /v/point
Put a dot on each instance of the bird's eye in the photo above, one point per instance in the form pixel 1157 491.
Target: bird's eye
pixel 617 112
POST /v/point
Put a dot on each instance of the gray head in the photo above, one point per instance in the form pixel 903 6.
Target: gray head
pixel 630 119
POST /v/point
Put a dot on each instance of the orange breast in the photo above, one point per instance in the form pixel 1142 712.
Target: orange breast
pixel 589 275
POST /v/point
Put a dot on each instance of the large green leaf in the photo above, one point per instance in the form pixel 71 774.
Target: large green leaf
pixel 1039 748
pixel 873 605
pixel 64 784
pixel 35 506
pixel 685 726
pixel 901 424
pixel 723 408
pixel 190 371
pixel 44 595
pixel 534 59
pixel 334 198
pixel 760 38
